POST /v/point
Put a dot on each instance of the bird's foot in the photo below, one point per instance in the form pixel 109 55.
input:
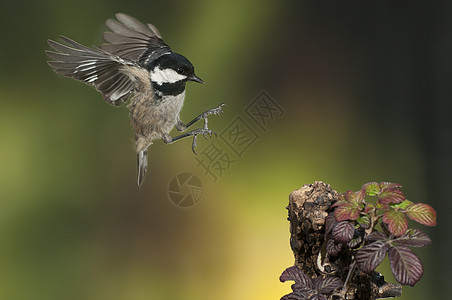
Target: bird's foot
pixel 205 132
pixel 214 111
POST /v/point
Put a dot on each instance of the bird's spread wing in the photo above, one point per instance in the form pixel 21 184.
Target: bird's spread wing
pixel 108 73
pixel 131 40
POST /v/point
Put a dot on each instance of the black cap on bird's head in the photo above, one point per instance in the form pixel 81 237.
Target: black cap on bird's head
pixel 172 68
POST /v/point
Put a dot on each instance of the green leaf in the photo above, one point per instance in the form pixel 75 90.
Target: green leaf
pixel 391 195
pixel 403 205
pixel 422 213
pixel 397 222
pixel 371 188
pixel 364 221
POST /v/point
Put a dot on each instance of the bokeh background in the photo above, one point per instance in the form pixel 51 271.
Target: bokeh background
pixel 366 91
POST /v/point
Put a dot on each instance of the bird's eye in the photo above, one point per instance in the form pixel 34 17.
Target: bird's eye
pixel 180 70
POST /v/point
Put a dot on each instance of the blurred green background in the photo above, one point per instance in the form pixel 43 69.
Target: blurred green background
pixel 366 92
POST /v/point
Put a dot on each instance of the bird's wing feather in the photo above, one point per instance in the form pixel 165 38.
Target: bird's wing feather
pixel 109 74
pixel 133 41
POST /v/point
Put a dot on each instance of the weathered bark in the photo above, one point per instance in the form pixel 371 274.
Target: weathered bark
pixel 308 207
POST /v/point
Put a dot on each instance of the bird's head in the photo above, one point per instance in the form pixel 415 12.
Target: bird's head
pixel 172 69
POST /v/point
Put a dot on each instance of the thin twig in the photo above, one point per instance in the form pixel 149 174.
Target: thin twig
pixel 351 271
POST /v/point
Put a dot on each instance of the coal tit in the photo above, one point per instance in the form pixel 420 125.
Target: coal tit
pixel 134 62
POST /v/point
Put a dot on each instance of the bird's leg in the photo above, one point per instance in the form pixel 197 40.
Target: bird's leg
pixel 214 111
pixel 180 126
pixel 204 131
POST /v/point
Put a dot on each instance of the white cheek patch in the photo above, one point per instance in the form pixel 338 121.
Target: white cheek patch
pixel 160 76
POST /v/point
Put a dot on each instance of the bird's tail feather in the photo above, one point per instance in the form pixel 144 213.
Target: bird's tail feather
pixel 142 161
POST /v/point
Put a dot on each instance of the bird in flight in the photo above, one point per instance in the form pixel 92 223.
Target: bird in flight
pixel 136 65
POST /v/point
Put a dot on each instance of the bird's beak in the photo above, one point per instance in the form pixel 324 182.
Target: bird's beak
pixel 196 79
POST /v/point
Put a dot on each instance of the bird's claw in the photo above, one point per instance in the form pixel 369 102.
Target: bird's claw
pixel 208 133
pixel 194 145
pixel 205 132
pixel 219 110
pixel 215 111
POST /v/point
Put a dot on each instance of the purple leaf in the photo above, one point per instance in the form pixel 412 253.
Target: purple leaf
pixel 376 236
pixel 358 236
pixel 343 232
pixel 355 242
pixel 327 284
pixel 333 248
pixel 346 211
pixel 405 265
pixel 391 196
pixel 330 222
pixel 413 237
pixel 355 197
pixel 299 295
pixel 370 256
pixel 317 297
pixel 299 287
pixel 295 274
